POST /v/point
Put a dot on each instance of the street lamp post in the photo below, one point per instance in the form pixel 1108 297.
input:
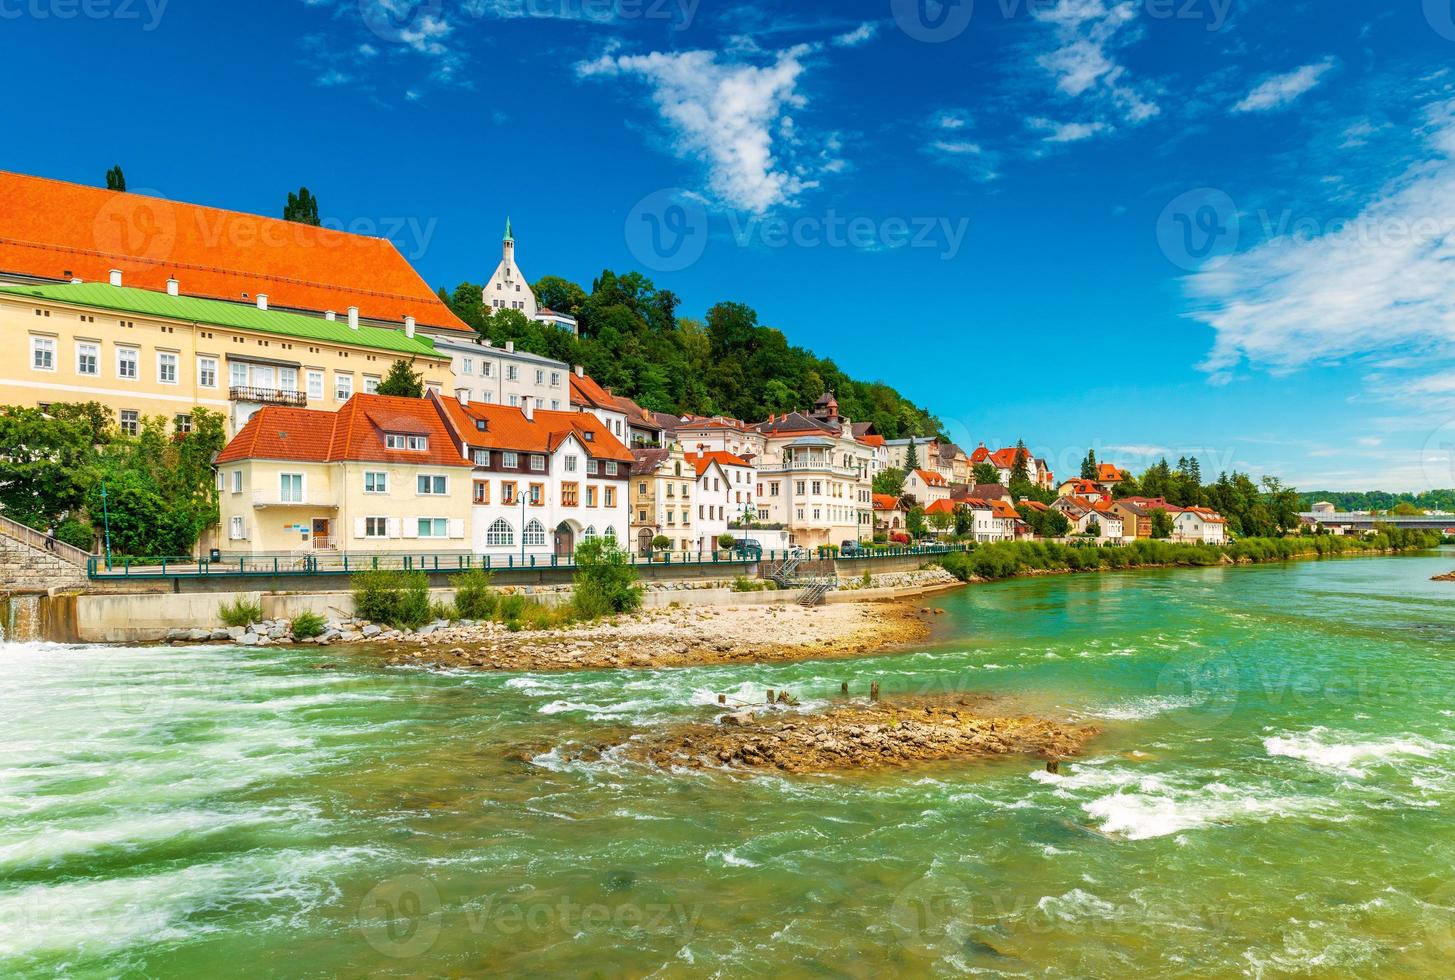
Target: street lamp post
pixel 106 519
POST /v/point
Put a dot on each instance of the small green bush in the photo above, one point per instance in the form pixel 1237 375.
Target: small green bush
pixel 743 584
pixel 307 625
pixel 474 598
pixel 240 612
pixel 605 580
pixel 443 610
pixel 726 541
pixel 392 597
pixel 511 608
pixel 76 533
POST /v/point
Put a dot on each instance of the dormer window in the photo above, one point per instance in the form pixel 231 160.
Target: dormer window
pixel 481 425
pixel 412 443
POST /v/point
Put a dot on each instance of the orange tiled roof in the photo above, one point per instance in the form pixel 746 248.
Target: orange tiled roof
pixel 701 461
pixel 507 428
pixel 50 229
pixel 932 478
pixel 1003 508
pixel 886 501
pixel 354 433
pixel 944 507
pixel 1108 473
pixel 1208 515
pixel 871 440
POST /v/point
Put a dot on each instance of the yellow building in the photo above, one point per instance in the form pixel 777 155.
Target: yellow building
pixel 142 353
pixel 381 474
pixel 662 484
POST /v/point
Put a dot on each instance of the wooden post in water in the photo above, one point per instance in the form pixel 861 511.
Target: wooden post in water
pixel 874 691
pixel 1053 766
pixel 722 699
pixel 844 688
pixel 770 695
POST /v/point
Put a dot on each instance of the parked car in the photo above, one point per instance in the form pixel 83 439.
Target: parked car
pixel 748 548
pixel 849 548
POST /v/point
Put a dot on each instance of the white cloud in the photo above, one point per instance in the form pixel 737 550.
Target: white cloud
pixel 863 33
pixel 735 114
pixel 333 77
pixel 1281 91
pixel 1086 36
pixel 1070 132
pixel 1376 286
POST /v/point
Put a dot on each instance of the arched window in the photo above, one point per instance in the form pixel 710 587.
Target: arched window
pixel 610 534
pixel 500 534
pixel 535 534
pixel 589 533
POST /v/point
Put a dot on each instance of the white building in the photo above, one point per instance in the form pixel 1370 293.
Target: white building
pixel 508 289
pixel 720 435
pixel 506 376
pixel 814 477
pixel 1199 524
pixel 927 486
pixel 543 481
pixel 725 485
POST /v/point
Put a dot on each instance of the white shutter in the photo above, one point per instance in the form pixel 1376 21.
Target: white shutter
pixel 359 527
pixel 410 529
pixel 396 528
pixel 457 528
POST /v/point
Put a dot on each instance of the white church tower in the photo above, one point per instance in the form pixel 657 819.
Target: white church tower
pixel 508 289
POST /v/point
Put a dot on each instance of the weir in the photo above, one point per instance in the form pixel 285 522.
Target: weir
pixel 29 617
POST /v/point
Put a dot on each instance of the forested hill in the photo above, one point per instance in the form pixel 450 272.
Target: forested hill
pixel 633 342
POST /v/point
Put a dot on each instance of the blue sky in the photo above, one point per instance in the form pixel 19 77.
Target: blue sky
pixel 1210 227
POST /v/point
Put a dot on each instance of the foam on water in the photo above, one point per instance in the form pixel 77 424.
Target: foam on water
pixel 1345 753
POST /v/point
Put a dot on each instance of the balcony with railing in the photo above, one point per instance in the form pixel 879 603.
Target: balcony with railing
pixel 267 396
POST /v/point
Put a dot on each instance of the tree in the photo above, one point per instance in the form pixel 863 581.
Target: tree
pixel 890 483
pixel 964 520
pixel 115 179
pixel 402 381
pixel 45 465
pixel 302 208
pixel 914 522
pixel 984 472
pixel 1405 509
pixel 1093 528
pixel 1055 524
pixel 605 580
pixel 1128 487
pixel 1020 471
pixel 941 521
pixel 911 457
pixel 1161 524
pixel 1088 466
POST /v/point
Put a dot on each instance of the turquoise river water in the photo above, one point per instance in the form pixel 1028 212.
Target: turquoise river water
pixel 1272 796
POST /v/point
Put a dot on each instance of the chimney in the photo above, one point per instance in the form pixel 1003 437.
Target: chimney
pixel 115 277
pixel 330 315
pixel 353 318
pixel 528 407
pixel 409 329
pixel 510 346
pixel 262 301
pixel 463 394
pixel 580 371
pixel 174 288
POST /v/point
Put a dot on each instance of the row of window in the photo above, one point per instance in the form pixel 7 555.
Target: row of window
pixel 512 371
pixel 570 494
pixel 127 367
pixel 501 534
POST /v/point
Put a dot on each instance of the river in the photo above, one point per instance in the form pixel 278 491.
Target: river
pixel 1272 795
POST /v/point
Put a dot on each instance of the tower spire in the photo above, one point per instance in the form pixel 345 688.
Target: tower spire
pixel 508 236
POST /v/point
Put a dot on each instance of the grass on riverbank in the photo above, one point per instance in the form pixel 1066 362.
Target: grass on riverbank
pixel 1008 559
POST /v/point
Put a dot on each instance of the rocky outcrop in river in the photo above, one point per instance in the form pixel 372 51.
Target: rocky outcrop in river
pixel 861 735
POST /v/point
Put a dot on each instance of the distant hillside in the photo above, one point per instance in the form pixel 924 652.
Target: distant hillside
pixel 1380 499
pixel 633 342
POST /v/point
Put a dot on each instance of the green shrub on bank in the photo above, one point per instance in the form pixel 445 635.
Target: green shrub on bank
pixel 307 625
pixel 76 533
pixel 606 581
pixel 240 612
pixel 743 584
pixel 392 597
pixel 474 598
pixel 1007 559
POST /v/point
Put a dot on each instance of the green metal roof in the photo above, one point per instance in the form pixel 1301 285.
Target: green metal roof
pixel 146 302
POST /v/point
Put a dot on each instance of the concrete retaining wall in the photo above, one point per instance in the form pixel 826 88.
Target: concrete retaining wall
pixel 27 569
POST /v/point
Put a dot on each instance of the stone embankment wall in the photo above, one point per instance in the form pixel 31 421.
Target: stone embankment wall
pixel 27 569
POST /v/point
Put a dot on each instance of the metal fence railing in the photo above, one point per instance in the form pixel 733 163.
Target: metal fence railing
pixel 343 563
